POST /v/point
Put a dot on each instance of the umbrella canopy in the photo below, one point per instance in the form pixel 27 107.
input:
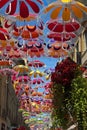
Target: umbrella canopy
pixel 22 79
pixel 36 73
pixel 27 32
pixel 36 63
pixel 5 62
pixel 25 7
pixel 4 35
pixel 62 37
pixel 56 50
pixel 7 71
pixel 37 81
pixel 67 10
pixel 35 48
pixel 21 68
pixel 61 26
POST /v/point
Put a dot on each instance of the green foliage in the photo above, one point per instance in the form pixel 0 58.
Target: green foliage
pixel 79 100
pixel 59 114
pixel 69 95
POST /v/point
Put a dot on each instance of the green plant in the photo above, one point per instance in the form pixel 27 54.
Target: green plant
pixel 79 101
pixel 62 89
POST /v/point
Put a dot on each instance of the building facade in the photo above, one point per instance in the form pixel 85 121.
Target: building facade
pixel 79 54
pixel 9 116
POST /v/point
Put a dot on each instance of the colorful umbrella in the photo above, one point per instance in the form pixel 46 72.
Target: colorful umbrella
pixel 25 7
pixel 21 68
pixel 36 81
pixel 27 32
pixel 36 73
pixel 31 17
pixel 4 35
pixel 67 10
pixel 24 79
pixel 8 71
pixel 34 93
pixel 56 50
pixel 62 37
pixel 35 48
pixel 5 63
pixel 60 26
pixel 36 63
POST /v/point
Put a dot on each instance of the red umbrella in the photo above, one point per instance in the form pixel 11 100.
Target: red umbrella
pixel 23 79
pixel 4 35
pixel 60 26
pixel 36 63
pixel 62 36
pixel 25 7
pixel 35 48
pixel 63 31
pixel 37 81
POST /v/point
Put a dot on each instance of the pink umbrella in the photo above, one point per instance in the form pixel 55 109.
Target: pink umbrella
pixel 36 81
pixel 8 71
pixel 23 79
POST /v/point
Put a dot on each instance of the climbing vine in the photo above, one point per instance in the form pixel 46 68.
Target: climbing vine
pixel 64 78
pixel 79 101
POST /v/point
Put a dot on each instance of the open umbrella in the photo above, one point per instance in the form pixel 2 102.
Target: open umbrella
pixel 67 9
pixel 8 71
pixel 24 7
pixel 36 73
pixel 27 32
pixel 59 26
pixel 21 68
pixel 36 63
pixel 56 50
pixel 5 63
pixel 62 37
pixel 4 35
pixel 35 48
pixel 23 79
pixel 36 81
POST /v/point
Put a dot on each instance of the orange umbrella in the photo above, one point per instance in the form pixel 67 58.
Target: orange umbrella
pixel 5 62
pixel 56 50
pixel 29 18
pixel 27 32
pixel 67 9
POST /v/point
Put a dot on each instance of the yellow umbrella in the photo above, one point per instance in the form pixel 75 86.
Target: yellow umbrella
pixel 21 68
pixel 36 73
pixel 68 8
